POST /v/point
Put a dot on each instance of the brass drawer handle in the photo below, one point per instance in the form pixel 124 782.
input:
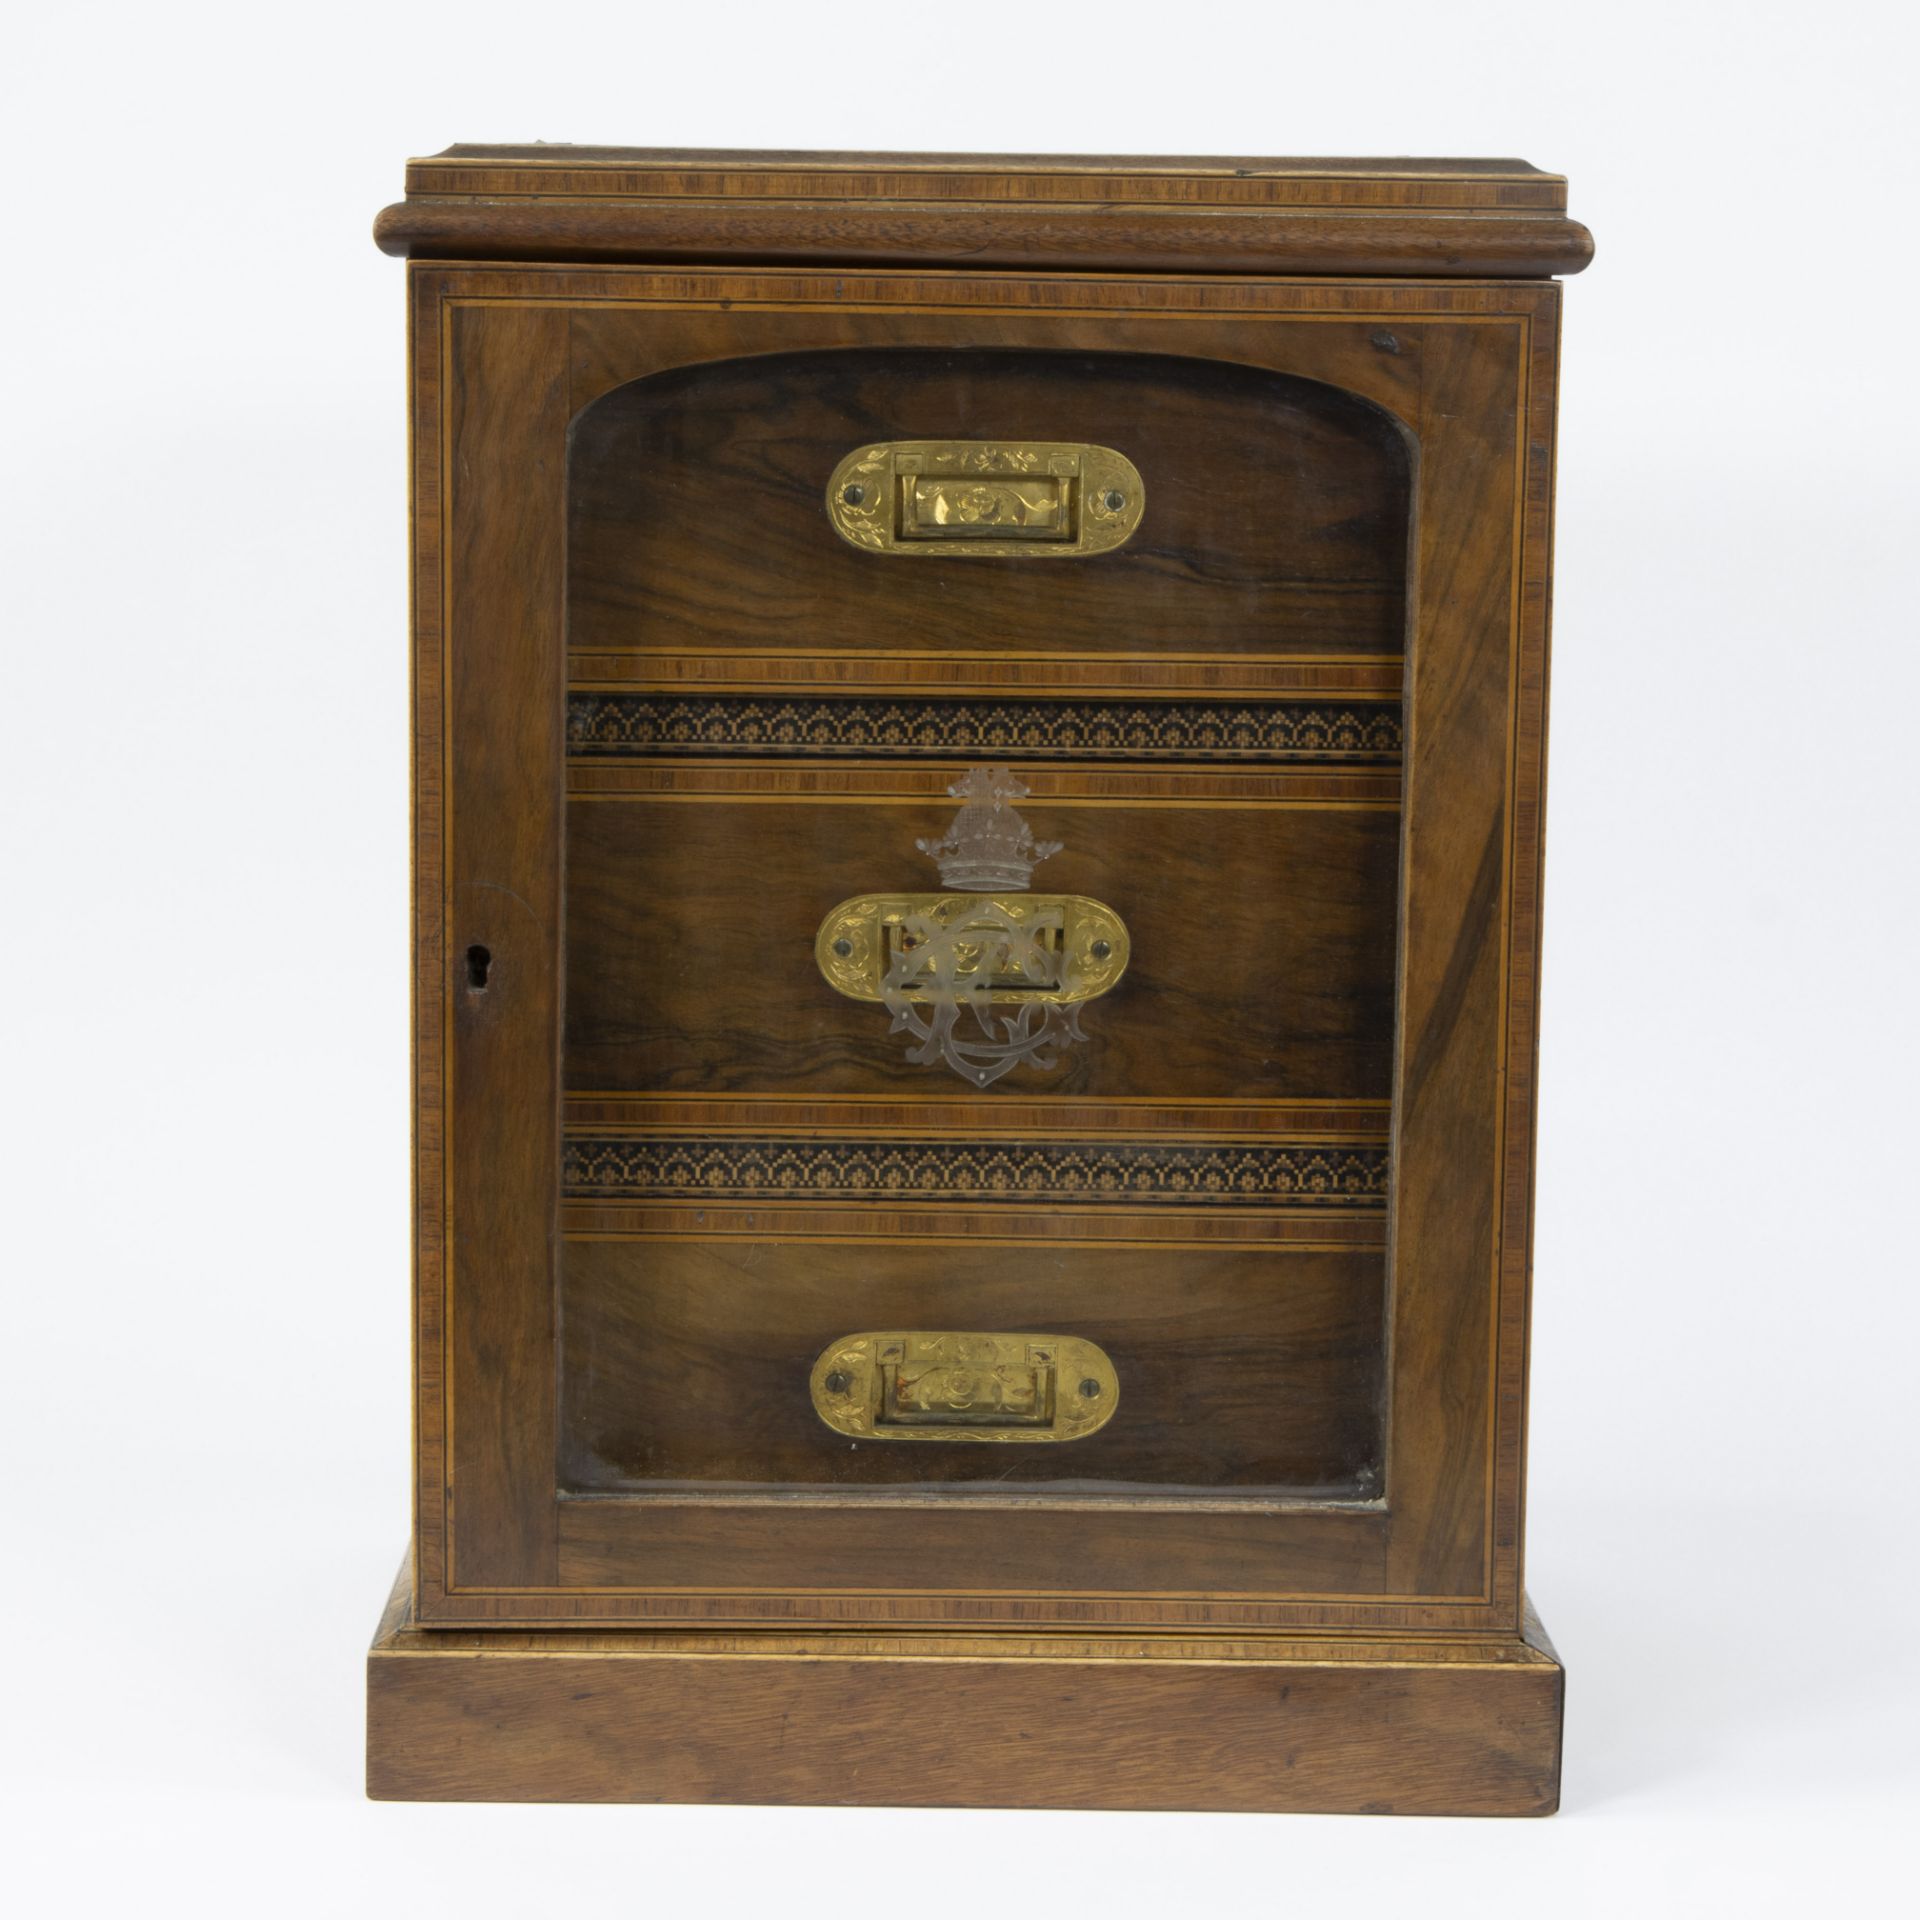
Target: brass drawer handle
pixel 1001 950
pixel 964 1386
pixel 1039 499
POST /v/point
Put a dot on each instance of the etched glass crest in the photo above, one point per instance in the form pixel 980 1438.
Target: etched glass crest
pixel 986 976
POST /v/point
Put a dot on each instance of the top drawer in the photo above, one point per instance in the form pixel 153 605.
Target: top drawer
pixel 1276 515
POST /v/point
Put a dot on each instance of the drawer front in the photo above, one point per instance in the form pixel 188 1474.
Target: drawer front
pixel 1261 931
pixel 690 1367
pixel 1275 518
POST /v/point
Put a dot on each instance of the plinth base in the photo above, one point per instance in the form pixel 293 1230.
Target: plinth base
pixel 1314 1724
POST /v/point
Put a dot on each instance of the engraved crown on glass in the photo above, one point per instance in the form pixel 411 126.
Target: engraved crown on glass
pixel 989 848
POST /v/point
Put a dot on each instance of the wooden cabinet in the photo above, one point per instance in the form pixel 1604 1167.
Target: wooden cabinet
pixel 979 735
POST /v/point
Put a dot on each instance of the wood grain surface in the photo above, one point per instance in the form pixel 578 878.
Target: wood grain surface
pixel 690 931
pixel 1275 516
pixel 507 407
pixel 1309 1725
pixel 1408 216
pixel 1028 1561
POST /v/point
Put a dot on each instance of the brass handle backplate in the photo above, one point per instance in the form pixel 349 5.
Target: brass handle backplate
pixel 1038 499
pixel 1052 949
pixel 964 1386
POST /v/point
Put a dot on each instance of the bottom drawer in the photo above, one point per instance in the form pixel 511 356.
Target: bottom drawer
pixel 709 1365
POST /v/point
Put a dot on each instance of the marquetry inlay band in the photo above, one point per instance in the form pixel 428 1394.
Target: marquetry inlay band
pixel 1067 1172
pixel 613 725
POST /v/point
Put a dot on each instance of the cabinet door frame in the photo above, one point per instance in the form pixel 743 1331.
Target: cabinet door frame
pixel 1469 368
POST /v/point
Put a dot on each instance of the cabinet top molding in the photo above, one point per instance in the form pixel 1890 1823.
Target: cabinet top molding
pixel 1478 219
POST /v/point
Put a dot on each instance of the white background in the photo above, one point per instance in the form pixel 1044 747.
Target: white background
pixel 203 969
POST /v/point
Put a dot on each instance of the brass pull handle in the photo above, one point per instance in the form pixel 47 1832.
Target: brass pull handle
pixel 1043 949
pixel 1016 1387
pixel 991 499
